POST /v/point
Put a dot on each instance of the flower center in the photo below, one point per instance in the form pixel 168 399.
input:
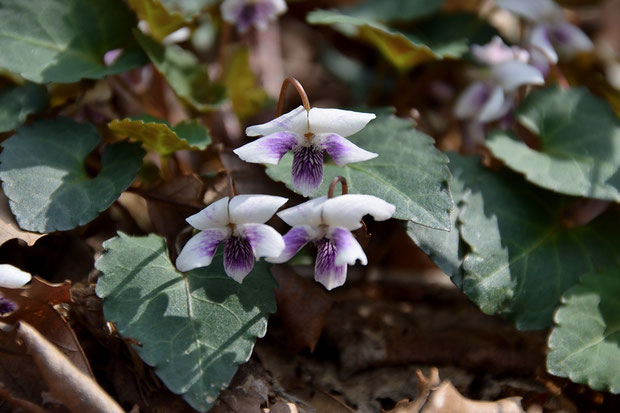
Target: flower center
pixel 309 136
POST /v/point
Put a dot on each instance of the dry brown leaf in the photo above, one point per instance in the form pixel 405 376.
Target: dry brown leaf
pixel 442 397
pixel 66 383
pixel 22 404
pixel 35 304
pixel 9 228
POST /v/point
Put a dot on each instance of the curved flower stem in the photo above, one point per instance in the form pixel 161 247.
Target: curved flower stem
pixel 332 186
pixel 232 191
pixel 300 90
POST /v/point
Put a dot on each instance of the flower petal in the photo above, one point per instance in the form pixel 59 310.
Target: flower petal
pixel 347 210
pixel 268 149
pixel 238 258
pixel 471 100
pixel 496 51
pixel 492 108
pixel 13 277
pixel 256 209
pixel 534 10
pixel 264 240
pixel 308 213
pixel 325 269
pixel 213 216
pixel 199 250
pixel 569 39
pixel 513 74
pixel 294 240
pixel 340 122
pixel 307 168
pixel 540 42
pixel 342 150
pixel 295 121
pixel 348 250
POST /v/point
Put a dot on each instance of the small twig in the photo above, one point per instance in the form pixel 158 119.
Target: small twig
pixel 232 191
pixel 300 90
pixel 332 186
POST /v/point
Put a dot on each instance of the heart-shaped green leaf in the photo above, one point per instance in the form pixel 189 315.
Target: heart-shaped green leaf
pixel 585 343
pixel 193 328
pixel 17 102
pixel 65 40
pixel 409 171
pixel 580 144
pixel 44 177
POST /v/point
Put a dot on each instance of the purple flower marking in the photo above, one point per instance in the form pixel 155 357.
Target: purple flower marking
pixel 325 269
pixel 238 257
pixel 307 168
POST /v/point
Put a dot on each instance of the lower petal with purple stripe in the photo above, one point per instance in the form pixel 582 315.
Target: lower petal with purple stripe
pixel 307 168
pixel 325 269
pixel 238 258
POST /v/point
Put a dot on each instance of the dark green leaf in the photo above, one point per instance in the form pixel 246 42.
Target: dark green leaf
pixel 188 8
pixel 580 144
pixel 522 258
pixel 585 343
pixel 65 40
pixel 409 171
pixel 193 328
pixel 394 10
pixel 17 102
pixel 187 77
pixel 44 177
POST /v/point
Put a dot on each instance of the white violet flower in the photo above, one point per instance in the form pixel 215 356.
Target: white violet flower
pixel 13 277
pixel 246 13
pixel 308 134
pixel 328 223
pixel 550 34
pixel 240 224
pixel 492 97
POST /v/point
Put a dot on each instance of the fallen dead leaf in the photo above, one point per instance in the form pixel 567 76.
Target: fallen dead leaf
pixel 18 403
pixel 9 228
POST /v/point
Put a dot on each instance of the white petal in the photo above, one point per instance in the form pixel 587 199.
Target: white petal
pixel 13 277
pixel 294 240
pixel 492 108
pixel 213 216
pixel 569 39
pixel 471 100
pixel 254 209
pixel 340 122
pixel 494 52
pixel 539 40
pixel 347 210
pixel 513 74
pixel 268 149
pixel 295 121
pixel 265 241
pixel 342 150
pixel 199 250
pixel 348 250
pixel 230 9
pixel 308 213
pixel 534 10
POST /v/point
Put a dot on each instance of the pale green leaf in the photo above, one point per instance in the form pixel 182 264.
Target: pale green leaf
pixel 17 102
pixel 160 21
pixel 245 93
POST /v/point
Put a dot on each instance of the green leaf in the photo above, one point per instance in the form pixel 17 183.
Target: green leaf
pixel 521 257
pixel 394 10
pixel 187 77
pixel 580 144
pixel 44 176
pixel 157 135
pixel 585 343
pixel 17 102
pixel 440 37
pixel 193 328
pixel 189 8
pixel 65 40
pixel 161 22
pixel 246 95
pixel 409 171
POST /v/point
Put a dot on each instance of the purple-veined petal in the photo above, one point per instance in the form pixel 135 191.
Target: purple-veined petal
pixel 295 121
pixel 471 100
pixel 347 210
pixel 513 74
pixel 492 108
pixel 348 250
pixel 539 41
pixel 307 168
pixel 533 10
pixel 294 240
pixel 307 213
pixel 342 150
pixel 264 240
pixel 245 13
pixel 199 250
pixel 325 269
pixel 569 39
pixel 213 216
pixel 13 277
pixel 268 149
pixel 257 209
pixel 6 305
pixel 338 121
pixel 238 258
